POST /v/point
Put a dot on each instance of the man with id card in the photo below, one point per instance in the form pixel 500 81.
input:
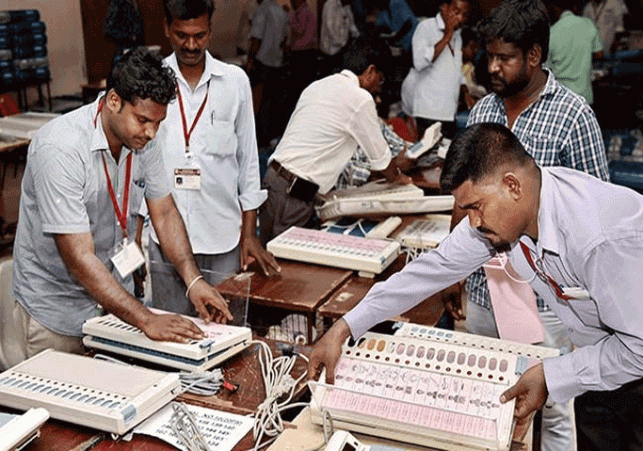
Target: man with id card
pixel 210 152
pixel 575 239
pixel 72 249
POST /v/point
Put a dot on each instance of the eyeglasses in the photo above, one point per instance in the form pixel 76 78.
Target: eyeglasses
pixel 540 272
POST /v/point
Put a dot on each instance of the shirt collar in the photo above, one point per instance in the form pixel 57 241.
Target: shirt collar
pixel 351 75
pixel 99 139
pixel 440 20
pixel 565 13
pixel 547 214
pixel 549 90
pixel 213 68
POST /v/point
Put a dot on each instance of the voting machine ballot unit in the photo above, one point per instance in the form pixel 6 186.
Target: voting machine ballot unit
pixel 17 431
pixel 109 333
pixel 427 391
pixel 96 393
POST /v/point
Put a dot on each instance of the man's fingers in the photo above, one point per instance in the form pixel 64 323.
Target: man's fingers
pixel 204 314
pixel 509 394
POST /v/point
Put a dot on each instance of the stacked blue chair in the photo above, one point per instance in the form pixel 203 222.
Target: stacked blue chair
pixel 23 49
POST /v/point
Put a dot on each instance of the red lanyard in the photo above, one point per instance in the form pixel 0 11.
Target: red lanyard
pixel 543 276
pixel 121 213
pixel 186 133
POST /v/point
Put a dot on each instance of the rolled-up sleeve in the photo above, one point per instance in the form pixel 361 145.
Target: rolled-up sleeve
pixel 59 181
pixel 423 44
pixel 365 128
pixel 158 182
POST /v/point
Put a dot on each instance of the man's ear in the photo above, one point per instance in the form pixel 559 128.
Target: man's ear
pixel 512 183
pixel 113 101
pixel 367 76
pixel 166 27
pixel 534 55
pixel 370 72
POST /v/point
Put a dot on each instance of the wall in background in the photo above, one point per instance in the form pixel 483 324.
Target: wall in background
pixel 64 41
pixel 99 52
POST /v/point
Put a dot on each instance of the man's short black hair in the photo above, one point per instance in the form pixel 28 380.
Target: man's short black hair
pixel 141 74
pixel 523 23
pixel 361 53
pixel 187 9
pixel 478 152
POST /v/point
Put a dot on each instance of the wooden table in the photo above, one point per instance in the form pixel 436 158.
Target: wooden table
pixel 348 295
pixel 353 290
pixel 242 369
pixel 299 287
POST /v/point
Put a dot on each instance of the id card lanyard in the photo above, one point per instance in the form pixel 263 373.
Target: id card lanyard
pixel 126 257
pixel 121 213
pixel 188 133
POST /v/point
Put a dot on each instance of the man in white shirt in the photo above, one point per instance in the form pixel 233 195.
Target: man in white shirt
pixel 432 87
pixel 337 27
pixel 332 118
pixel 210 151
pixel 608 18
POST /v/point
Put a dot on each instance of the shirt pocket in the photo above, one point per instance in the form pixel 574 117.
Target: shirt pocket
pixel 221 140
pixel 542 149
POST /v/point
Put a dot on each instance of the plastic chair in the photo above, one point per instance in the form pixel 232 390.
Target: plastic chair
pixel 8 105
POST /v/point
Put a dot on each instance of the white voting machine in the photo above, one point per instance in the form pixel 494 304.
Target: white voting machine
pixel 447 393
pixel 376 198
pixel 110 333
pixel 96 393
pixel 368 255
pixel 17 431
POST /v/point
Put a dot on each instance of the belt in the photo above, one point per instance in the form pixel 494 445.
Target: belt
pixel 282 171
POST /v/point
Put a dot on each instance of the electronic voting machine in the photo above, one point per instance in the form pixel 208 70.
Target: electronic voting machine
pixel 444 388
pixel 369 256
pixel 90 392
pixel 110 333
pixel 377 198
pixel 17 431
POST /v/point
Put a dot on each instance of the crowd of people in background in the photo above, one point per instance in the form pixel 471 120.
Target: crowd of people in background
pixel 286 52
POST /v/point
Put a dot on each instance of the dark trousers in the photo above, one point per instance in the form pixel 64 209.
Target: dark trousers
pixel 610 420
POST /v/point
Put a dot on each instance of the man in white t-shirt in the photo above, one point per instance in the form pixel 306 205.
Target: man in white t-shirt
pixel 332 118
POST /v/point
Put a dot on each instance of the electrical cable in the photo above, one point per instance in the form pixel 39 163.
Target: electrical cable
pixel 278 383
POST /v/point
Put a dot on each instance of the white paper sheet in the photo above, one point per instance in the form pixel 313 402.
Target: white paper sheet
pixel 221 430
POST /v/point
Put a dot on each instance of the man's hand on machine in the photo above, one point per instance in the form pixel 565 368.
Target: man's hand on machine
pixel 209 303
pixel 167 327
pixel 327 351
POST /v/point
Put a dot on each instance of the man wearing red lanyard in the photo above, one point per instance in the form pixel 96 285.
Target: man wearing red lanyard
pixel 575 239
pixel 72 247
pixel 210 151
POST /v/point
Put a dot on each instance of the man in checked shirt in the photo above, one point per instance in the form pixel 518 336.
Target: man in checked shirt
pixel 557 128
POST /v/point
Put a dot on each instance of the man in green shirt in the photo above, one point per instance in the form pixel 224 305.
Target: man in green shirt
pixel 573 42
